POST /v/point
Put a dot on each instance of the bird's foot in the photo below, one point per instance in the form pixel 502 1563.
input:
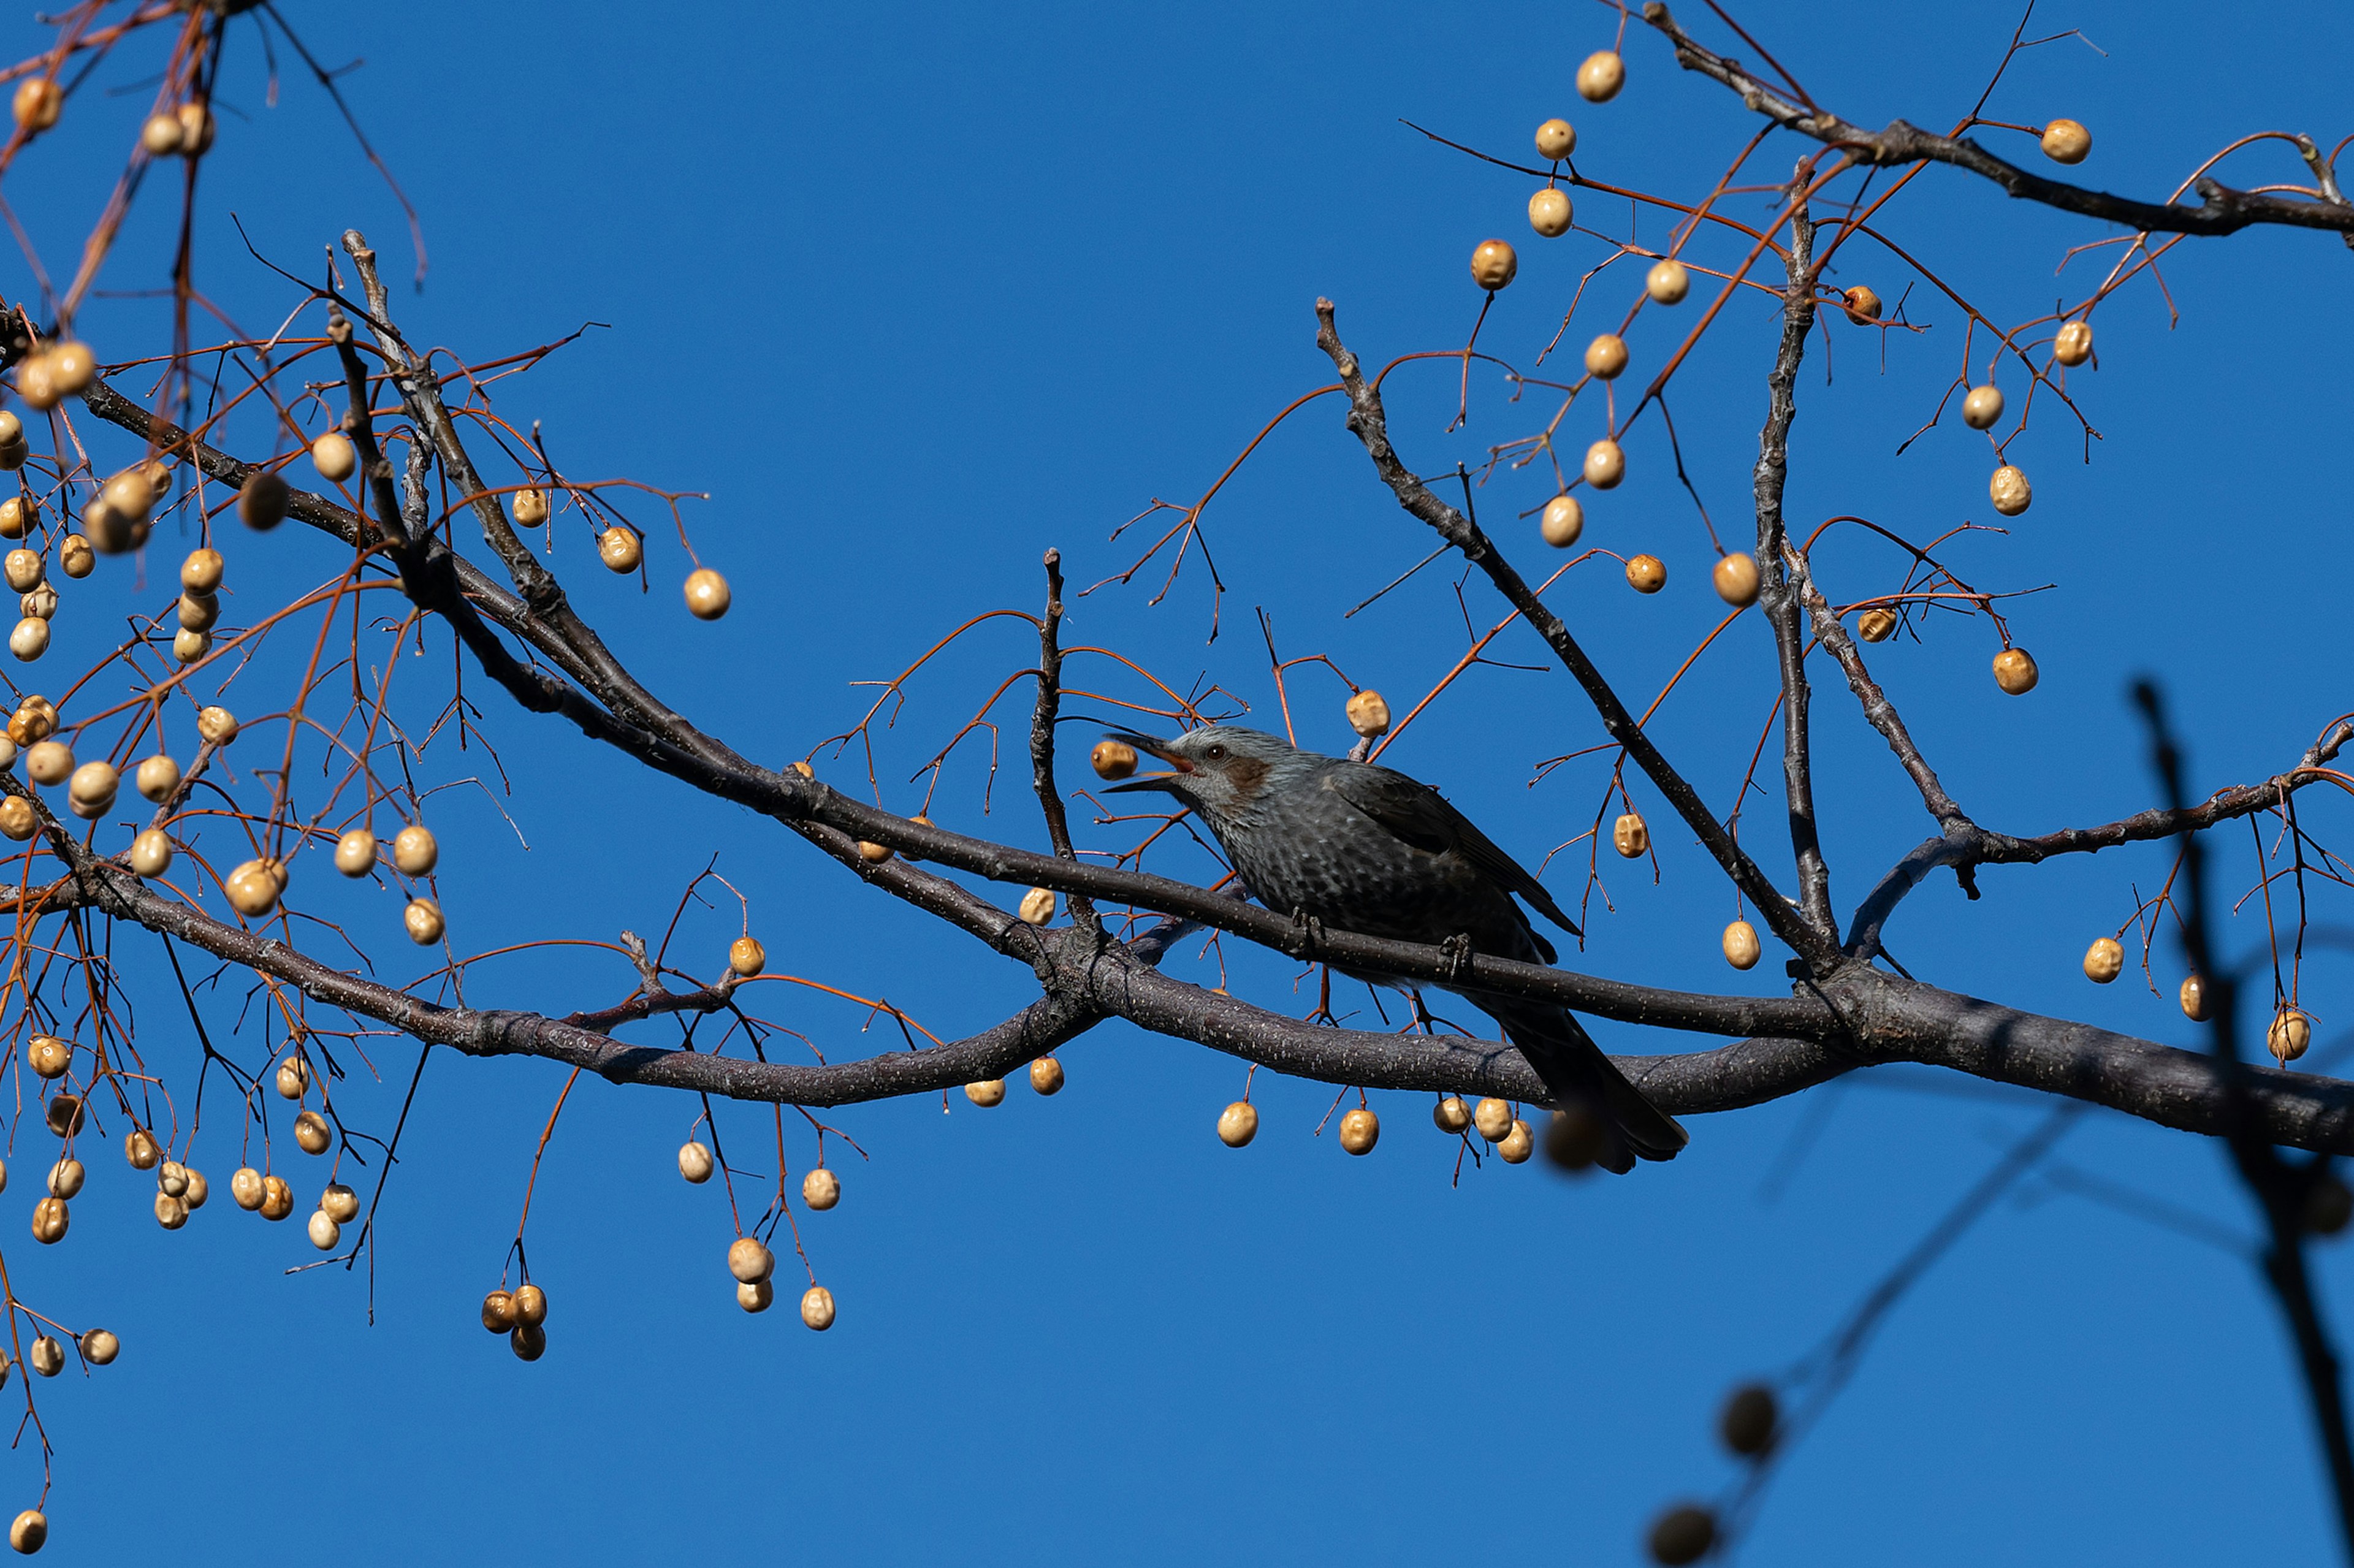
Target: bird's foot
pixel 1456 950
pixel 1307 935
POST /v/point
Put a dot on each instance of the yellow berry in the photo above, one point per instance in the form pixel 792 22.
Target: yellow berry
pixel 50 762
pixel 1369 715
pixel 531 1306
pixel 1647 574
pixel 130 496
pixel 48 1056
pixel 1563 522
pixel 756 1296
pixel 1360 1130
pixel 151 851
pixel 2104 960
pixel 1982 407
pixel 324 1231
pixel 1493 1118
pixel 1493 264
pixel 750 1261
pixel 821 1189
pixel 817 1307
pixel 1862 305
pixel 695 1161
pixel 202 571
pixel 1737 578
pixel 29 1530
pixel 1517 1144
pixel 2193 997
pixel 37 104
pixel 2073 346
pixel 620 549
pixel 1237 1124
pixel 92 788
pixel 1556 138
pixel 1550 213
pixel 1606 464
pixel 499 1312
pixel 531 507
pixel 161 135
pixel 414 851
pixel 987 1093
pixel 2066 142
pixel 2010 491
pixel 335 457
pixel 1601 77
pixel 2290 1035
pixel 422 919
pixel 261 500
pixel 746 956
pixel 706 594
pixel 1038 908
pixel 252 889
pixel 1668 282
pixel 1741 947
pixel 2015 671
pixel 355 853
pixel 196 129
pixel 1112 760
pixel 51 1220
pixel 1606 356
pixel 1451 1115
pixel 1629 836
pixel 1046 1075
pixel 74 368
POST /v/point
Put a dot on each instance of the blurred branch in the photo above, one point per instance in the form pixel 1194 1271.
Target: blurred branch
pixel 2282 1187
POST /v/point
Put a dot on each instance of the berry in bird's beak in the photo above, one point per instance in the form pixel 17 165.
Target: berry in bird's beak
pixel 1149 747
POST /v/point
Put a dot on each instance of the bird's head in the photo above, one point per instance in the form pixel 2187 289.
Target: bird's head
pixel 1218 769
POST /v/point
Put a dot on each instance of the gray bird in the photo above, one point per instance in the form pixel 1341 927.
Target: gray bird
pixel 1366 849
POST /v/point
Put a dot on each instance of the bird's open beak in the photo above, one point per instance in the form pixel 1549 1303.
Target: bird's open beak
pixel 1150 745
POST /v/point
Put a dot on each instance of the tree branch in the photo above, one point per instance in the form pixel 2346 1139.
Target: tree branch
pixel 1778 596
pixel 2222 209
pixel 1371 426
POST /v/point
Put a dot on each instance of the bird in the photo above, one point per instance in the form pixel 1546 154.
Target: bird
pixel 1363 848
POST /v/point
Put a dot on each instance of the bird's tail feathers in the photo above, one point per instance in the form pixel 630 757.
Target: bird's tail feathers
pixel 1575 1068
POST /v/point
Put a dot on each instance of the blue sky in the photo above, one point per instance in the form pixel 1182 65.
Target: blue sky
pixel 914 293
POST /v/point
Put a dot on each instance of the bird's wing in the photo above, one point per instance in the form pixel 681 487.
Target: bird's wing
pixel 1420 816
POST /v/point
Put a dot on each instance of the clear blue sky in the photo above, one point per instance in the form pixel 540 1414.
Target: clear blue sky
pixel 916 293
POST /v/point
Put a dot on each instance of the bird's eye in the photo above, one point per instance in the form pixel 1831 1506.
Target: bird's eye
pixel 1215 754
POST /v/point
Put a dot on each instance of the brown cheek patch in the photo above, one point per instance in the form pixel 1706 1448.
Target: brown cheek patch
pixel 1249 775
